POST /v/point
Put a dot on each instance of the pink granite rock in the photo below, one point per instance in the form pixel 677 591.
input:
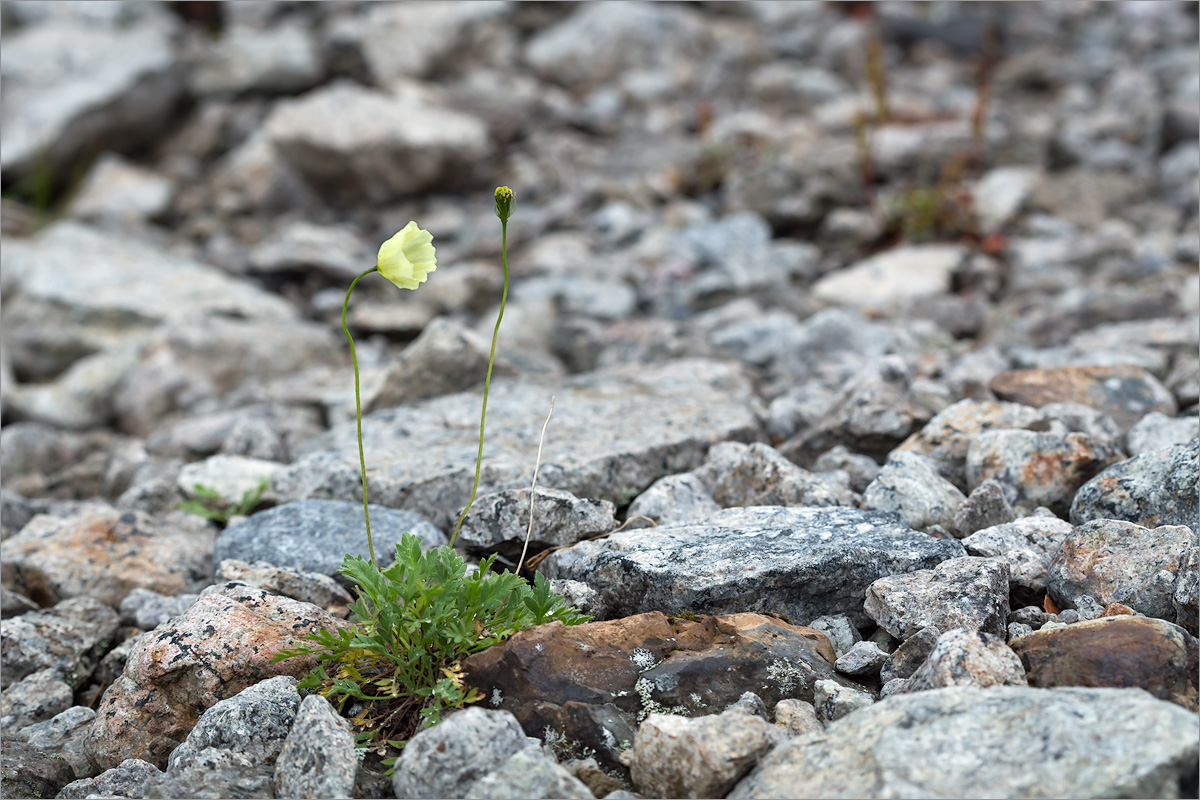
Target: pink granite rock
pixel 218 647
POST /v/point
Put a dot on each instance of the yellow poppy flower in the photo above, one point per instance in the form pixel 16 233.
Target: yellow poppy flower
pixel 407 258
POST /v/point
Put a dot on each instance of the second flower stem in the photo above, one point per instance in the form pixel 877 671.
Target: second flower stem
pixel 362 462
pixel 486 383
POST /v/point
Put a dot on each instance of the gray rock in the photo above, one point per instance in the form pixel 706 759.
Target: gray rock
pixel 985 507
pixel 178 373
pixel 1152 489
pixel 1027 544
pixel 999 195
pixel 578 594
pixel 1157 431
pixel 673 499
pixel 445 760
pixel 864 658
pixel 70 638
pixel 840 630
pixel 28 771
pixel 131 779
pixel 253 723
pixel 318 758
pixel 1035 468
pixel 315 535
pixel 737 474
pixel 947 437
pixel 597 43
pixel 105 553
pixel 79 398
pixel 605 441
pixel 499 522
pixel 1187 592
pixel 751 703
pixel 675 756
pixel 1000 742
pixel 441 28
pixel 1120 562
pixel 1033 616
pixel 63 734
pixel 962 657
pixel 528 773
pixel 214 772
pixel 1082 418
pixel 960 593
pixel 35 698
pixel 861 469
pixel 362 144
pixel 873 414
pixel 891 277
pixel 282 58
pixel 444 359
pixel 307 587
pixel 62 320
pixel 909 656
pixel 146 609
pixel 796 717
pixel 1018 629
pixel 117 190
pixel 834 701
pixel 108 92
pixel 336 251
pixel 803 562
pixel 910 484
pixel 1086 606
pixel 14 604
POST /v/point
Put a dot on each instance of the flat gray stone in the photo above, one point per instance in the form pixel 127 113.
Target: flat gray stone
pixel 738 474
pixel 1006 742
pixel 802 562
pixel 315 535
pixel 864 658
pixel 834 701
pixel 613 434
pixel 35 698
pixel 366 144
pixel 107 89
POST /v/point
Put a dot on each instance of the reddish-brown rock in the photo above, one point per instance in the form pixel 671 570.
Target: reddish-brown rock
pixel 591 684
pixel 1119 651
pixel 1124 392
pixel 217 648
pixel 104 553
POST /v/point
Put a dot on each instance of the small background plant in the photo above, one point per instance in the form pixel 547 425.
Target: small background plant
pixel 208 504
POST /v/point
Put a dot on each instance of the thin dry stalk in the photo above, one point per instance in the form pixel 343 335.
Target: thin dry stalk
pixel 533 487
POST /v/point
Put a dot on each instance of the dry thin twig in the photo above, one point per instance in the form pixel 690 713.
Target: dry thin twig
pixel 533 487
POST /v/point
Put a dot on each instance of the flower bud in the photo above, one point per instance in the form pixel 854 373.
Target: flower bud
pixel 504 203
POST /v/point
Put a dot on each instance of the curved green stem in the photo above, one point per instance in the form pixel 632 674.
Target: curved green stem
pixel 487 381
pixel 362 462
